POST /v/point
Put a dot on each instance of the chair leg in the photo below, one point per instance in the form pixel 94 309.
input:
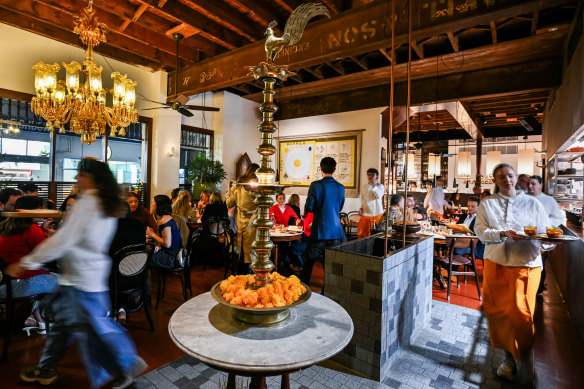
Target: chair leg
pixel 449 280
pixel 183 285
pixel 474 269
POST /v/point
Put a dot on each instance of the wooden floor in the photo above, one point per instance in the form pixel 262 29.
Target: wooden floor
pixel 556 344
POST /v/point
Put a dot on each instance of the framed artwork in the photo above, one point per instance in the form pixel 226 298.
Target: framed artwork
pixel 243 162
pixel 299 159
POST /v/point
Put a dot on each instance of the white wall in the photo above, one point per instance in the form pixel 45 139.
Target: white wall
pixel 369 119
pixel 21 50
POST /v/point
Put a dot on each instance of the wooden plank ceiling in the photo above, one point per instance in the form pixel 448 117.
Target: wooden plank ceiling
pixel 342 63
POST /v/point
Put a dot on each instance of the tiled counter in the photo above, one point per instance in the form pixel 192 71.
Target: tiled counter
pixel 389 299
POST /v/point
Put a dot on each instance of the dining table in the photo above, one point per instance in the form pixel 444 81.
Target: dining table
pixel 283 236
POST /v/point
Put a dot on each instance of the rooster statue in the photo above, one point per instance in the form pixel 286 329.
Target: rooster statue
pixel 293 30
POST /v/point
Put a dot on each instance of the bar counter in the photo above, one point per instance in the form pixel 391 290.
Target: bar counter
pixel 567 263
pixel 388 297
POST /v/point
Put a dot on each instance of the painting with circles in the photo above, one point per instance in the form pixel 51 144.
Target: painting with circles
pixel 299 159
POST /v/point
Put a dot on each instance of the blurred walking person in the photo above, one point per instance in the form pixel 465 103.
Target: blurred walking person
pixel 81 302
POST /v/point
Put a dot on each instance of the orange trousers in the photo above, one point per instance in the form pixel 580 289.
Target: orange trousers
pixel 508 303
pixel 365 225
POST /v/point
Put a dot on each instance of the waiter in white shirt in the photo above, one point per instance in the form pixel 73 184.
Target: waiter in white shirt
pixel 371 203
pixel 534 187
pixel 434 200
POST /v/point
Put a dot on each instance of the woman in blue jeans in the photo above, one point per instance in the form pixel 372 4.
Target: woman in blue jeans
pixel 18 237
pixel 81 302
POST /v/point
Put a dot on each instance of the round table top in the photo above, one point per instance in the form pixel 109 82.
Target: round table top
pixel 315 331
pixel 280 236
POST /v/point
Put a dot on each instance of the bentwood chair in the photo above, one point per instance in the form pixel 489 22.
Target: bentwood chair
pixel 10 303
pixel 452 260
pixel 130 276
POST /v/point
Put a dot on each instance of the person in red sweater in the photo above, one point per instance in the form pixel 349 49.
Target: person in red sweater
pixel 281 212
pixel 18 237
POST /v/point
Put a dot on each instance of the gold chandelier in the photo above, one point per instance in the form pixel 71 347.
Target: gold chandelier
pixel 84 106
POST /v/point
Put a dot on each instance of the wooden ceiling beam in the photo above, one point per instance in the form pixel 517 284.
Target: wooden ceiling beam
pixel 284 5
pixel 336 67
pixel 356 60
pixel 453 40
pixel 479 84
pixel 49 30
pixel 209 29
pixel 354 32
pixel 226 17
pixel 508 53
pixel 256 11
pixel 418 49
pixel 332 6
pixel 493 31
pixel 44 13
pixel 141 9
pixel 134 31
pixel 386 55
pixel 314 73
pixel 534 22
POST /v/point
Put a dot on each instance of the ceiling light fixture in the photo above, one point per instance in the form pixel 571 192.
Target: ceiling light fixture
pixel 84 105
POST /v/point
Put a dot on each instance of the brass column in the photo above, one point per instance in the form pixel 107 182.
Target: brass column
pixel 262 245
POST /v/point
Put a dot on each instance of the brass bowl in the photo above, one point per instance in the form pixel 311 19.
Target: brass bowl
pixel 259 317
pixel 411 229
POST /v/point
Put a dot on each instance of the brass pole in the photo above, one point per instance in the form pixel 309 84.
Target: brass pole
pixel 390 131
pixel 479 160
pixel 408 116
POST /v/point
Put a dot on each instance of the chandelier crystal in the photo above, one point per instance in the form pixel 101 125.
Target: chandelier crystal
pixel 82 102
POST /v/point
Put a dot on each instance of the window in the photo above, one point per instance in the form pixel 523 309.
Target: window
pixel 13 146
pixel 194 141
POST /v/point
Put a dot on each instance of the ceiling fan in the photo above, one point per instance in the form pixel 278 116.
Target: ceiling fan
pixel 179 103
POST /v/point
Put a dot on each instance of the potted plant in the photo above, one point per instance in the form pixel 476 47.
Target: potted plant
pixel 205 174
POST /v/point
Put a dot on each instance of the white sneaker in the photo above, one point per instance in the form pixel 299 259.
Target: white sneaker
pixel 507 369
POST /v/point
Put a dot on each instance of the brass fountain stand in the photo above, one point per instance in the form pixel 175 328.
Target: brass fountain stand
pixel 266 186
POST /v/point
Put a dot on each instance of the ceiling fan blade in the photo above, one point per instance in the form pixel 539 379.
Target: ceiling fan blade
pixel 185 112
pixel 201 108
pixel 149 109
pixel 182 99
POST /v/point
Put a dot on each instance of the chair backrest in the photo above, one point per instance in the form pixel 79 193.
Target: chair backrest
pixel 462 241
pixel 217 226
pixel 183 228
pixel 354 217
pixel 131 264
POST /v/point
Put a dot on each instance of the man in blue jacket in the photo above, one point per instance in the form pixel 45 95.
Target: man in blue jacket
pixel 325 199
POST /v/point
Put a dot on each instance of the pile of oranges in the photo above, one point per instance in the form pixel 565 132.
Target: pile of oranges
pixel 281 291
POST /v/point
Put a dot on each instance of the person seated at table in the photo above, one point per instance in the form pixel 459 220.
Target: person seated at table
pixel 138 212
pixel 294 203
pixel 168 240
pixel 174 194
pixel 8 197
pixel 129 232
pixel 396 205
pixel 18 237
pixel 411 209
pixel 468 219
pixel 454 200
pixel 297 249
pixel 30 189
pixel 183 207
pixel 281 213
pixel 67 204
pixel 204 200
pixel 215 208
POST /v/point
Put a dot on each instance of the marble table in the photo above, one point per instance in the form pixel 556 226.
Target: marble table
pixel 315 331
